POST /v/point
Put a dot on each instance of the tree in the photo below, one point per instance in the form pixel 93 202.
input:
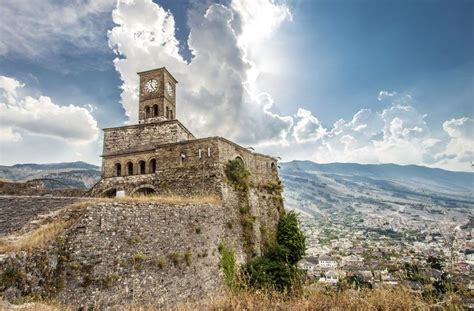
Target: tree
pixel 291 237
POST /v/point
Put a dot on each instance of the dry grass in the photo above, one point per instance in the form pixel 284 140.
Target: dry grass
pixel 317 298
pixel 34 239
pixel 168 199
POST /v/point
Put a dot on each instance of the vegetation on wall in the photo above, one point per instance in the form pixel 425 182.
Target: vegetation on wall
pixel 237 174
pixel 277 268
pixel 228 265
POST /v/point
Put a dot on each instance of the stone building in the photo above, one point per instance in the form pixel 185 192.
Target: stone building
pixel 160 155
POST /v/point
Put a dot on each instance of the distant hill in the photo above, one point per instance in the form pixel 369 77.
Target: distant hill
pixel 320 188
pixel 409 175
pixel 74 174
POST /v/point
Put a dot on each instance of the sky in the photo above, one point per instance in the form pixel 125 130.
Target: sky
pixel 360 81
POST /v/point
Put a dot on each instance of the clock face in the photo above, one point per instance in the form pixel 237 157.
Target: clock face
pixel 169 89
pixel 151 86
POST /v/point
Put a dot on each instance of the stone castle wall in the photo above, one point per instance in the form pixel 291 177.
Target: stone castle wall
pixel 135 253
pixel 186 168
pixel 143 136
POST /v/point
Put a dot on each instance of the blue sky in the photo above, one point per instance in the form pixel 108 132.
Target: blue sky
pixel 348 81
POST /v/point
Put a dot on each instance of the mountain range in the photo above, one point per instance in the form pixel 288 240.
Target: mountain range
pixel 304 178
pixel 316 189
pixel 74 174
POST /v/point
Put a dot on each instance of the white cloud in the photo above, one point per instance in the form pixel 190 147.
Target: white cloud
pixel 47 29
pixel 216 95
pixel 40 116
pixel 396 134
pixel 308 127
pixel 385 94
pixel 461 145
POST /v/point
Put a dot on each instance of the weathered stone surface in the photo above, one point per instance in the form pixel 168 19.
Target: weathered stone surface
pixel 143 136
pixel 200 171
pixel 142 252
pixel 16 211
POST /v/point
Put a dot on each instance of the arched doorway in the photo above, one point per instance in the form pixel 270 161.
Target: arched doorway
pixel 111 193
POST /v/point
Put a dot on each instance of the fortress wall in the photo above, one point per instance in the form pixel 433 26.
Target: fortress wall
pixel 124 253
pixel 167 157
pixel 260 166
pixel 199 172
pixel 129 138
pixel 17 211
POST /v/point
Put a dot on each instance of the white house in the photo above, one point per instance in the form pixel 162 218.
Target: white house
pixel 327 262
pixel 330 277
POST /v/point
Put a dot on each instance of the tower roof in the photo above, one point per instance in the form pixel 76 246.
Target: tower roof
pixel 158 69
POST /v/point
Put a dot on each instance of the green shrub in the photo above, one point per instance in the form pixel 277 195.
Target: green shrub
pixel 139 256
pixel 228 265
pixel 187 257
pixel 74 265
pixel 176 258
pixel 244 210
pixel 237 174
pixel 272 187
pixel 277 268
pixel 264 272
pixel 160 262
pixel 291 237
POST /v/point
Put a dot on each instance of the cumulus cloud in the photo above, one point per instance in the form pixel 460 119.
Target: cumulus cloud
pixel 461 145
pixel 25 115
pixel 48 29
pixel 216 95
pixel 397 134
pixel 308 128
pixel 385 94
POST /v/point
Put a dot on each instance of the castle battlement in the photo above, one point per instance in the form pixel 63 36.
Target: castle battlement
pixel 160 155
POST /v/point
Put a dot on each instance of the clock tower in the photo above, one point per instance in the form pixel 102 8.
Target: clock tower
pixel 157 98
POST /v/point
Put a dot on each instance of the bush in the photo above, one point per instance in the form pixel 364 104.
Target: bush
pixel 291 237
pixel 139 256
pixel 264 272
pixel 277 269
pixel 176 258
pixel 228 265
pixel 237 174
pixel 188 257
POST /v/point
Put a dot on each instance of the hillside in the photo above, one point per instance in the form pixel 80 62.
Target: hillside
pixel 72 174
pixel 314 188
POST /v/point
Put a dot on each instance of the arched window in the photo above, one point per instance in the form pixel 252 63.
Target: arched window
pixel 153 166
pixel 171 114
pixel 118 169
pixel 241 161
pixel 142 167
pixel 167 113
pixel 147 112
pixel 130 168
pixel 273 166
pixel 155 110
